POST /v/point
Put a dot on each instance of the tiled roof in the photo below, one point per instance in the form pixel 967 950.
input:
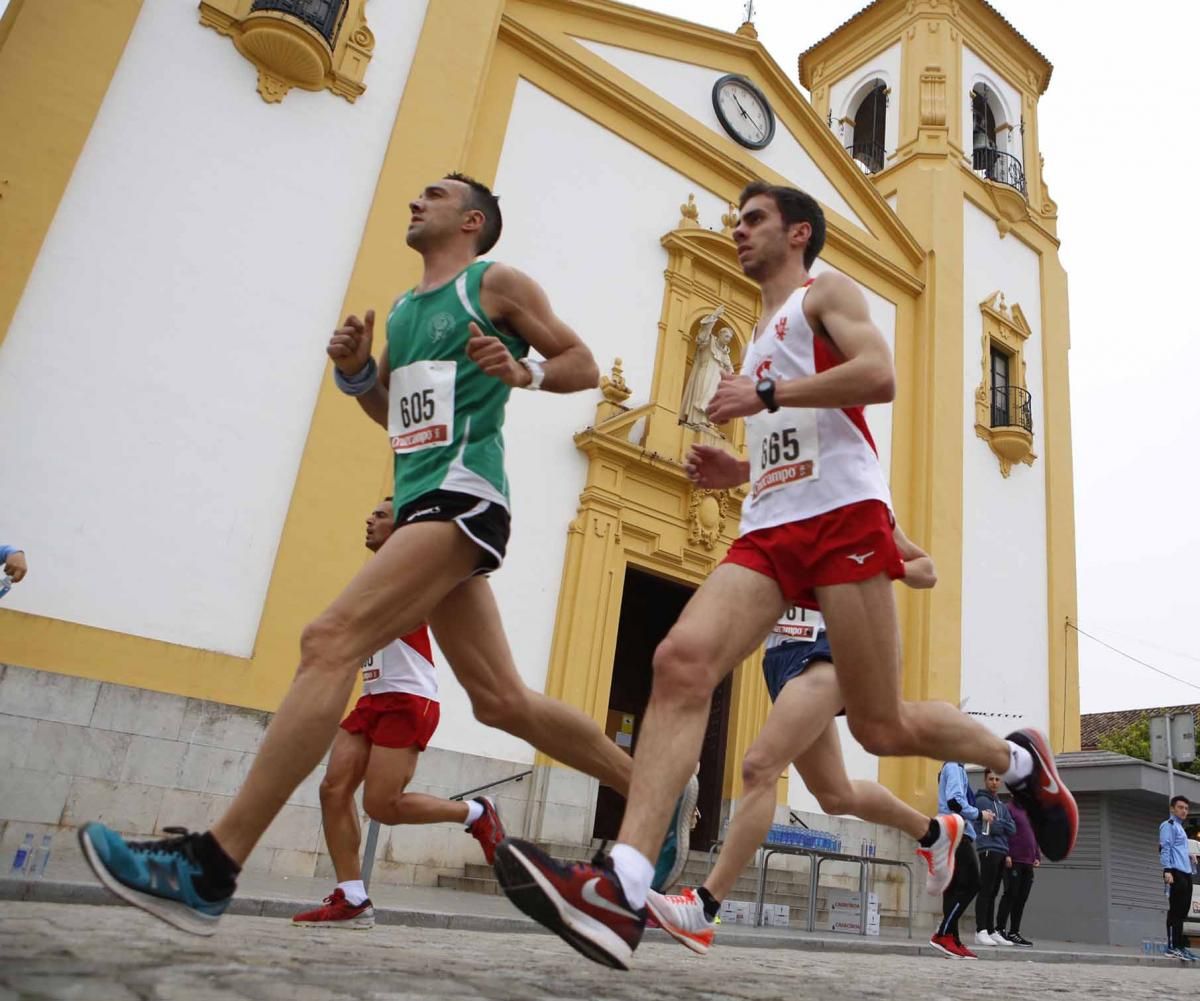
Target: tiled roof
pixel 1093 726
pixel 861 13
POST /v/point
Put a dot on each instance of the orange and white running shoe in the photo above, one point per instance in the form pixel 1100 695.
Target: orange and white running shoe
pixel 682 916
pixel 939 857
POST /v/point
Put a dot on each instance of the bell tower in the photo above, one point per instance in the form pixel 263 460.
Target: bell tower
pixel 937 101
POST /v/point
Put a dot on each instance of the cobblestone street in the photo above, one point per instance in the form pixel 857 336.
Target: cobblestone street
pixel 64 952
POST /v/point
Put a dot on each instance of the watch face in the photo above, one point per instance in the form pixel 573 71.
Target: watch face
pixel 743 111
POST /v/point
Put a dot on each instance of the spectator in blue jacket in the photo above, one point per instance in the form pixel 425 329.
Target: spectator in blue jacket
pixel 955 796
pixel 992 847
pixel 1177 874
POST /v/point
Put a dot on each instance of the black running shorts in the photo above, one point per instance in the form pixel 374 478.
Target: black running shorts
pixel 484 522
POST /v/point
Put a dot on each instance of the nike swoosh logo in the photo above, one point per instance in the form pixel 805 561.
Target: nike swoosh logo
pixel 1050 785
pixel 590 896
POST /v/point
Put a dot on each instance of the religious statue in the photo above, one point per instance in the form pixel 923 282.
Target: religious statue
pixel 711 359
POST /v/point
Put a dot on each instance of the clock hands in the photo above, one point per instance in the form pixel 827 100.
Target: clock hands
pixel 746 115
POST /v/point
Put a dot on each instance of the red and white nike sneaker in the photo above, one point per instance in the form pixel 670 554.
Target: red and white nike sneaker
pixel 338 912
pixel 682 917
pixel 939 857
pixel 488 829
pixel 1053 814
pixel 583 904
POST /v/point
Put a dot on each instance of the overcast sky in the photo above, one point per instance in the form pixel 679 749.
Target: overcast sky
pixel 1121 160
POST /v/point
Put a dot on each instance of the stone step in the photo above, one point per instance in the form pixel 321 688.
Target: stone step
pixel 469 884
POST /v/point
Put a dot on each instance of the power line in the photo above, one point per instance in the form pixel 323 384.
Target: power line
pixel 1129 656
pixel 1153 646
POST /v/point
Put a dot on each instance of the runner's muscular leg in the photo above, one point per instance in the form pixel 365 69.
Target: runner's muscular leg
pixel 385 800
pixel 823 770
pixel 339 815
pixel 865 639
pixel 467 627
pixel 721 625
pixel 798 717
pixel 391 595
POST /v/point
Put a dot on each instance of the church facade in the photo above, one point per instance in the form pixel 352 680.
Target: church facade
pixel 202 192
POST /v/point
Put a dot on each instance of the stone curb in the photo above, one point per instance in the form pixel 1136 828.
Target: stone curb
pixel 50 892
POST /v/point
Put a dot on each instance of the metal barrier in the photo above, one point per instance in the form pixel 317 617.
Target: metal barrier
pixel 368 862
pixel 817 857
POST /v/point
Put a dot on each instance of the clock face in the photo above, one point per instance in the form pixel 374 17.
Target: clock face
pixel 743 111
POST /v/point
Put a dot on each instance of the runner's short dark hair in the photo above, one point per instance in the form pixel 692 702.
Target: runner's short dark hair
pixel 795 206
pixel 481 199
pixel 1180 799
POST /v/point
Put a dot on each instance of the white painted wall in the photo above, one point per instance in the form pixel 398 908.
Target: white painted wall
pixel 1008 139
pixel 1004 588
pixel 847 93
pixel 163 363
pixel 689 87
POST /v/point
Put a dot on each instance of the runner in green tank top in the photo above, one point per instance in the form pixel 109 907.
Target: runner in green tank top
pixel 446 413
pixel 457 346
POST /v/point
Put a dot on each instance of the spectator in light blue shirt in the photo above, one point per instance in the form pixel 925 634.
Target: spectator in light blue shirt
pixel 1177 874
pixel 955 796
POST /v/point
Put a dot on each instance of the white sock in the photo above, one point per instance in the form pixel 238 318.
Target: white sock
pixel 634 871
pixel 354 890
pixel 1020 764
pixel 474 811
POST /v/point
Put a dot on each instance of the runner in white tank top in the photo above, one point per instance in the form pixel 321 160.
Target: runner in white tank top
pixel 817 532
pixel 803 462
pixel 379 742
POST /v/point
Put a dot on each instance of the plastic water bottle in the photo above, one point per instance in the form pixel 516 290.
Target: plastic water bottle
pixel 5 583
pixel 42 858
pixel 21 859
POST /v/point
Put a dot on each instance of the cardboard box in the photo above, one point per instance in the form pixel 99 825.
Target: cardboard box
pixel 619 727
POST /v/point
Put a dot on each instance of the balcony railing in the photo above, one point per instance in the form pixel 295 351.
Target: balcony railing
pixel 1012 407
pixel 872 154
pixel 322 16
pixel 1001 167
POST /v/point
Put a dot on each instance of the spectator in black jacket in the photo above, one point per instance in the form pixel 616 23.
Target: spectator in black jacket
pixel 992 846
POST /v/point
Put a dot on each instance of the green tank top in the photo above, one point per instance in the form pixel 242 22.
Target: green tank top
pixel 445 414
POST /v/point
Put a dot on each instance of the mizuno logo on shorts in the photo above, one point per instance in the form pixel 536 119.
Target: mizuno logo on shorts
pixel 862 558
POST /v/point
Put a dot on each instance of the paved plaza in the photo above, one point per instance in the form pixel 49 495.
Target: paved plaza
pixel 70 951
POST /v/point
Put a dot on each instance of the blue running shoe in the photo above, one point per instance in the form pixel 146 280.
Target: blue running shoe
pixel 157 876
pixel 672 857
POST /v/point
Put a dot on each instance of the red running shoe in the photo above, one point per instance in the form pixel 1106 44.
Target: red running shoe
pixel 488 830
pixel 338 912
pixel 1053 814
pixel 963 951
pixel 946 945
pixel 583 904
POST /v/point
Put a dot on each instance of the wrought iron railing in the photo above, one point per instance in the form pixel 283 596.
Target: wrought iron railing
pixel 1001 167
pixel 1012 407
pixel 323 16
pixel 870 153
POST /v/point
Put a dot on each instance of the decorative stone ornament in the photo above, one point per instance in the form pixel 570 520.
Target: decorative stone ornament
pixel 706 516
pixel 311 44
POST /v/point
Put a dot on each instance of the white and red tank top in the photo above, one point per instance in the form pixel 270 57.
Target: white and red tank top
pixel 404 665
pixel 804 461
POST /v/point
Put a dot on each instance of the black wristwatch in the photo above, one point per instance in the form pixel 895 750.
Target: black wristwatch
pixel 765 388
